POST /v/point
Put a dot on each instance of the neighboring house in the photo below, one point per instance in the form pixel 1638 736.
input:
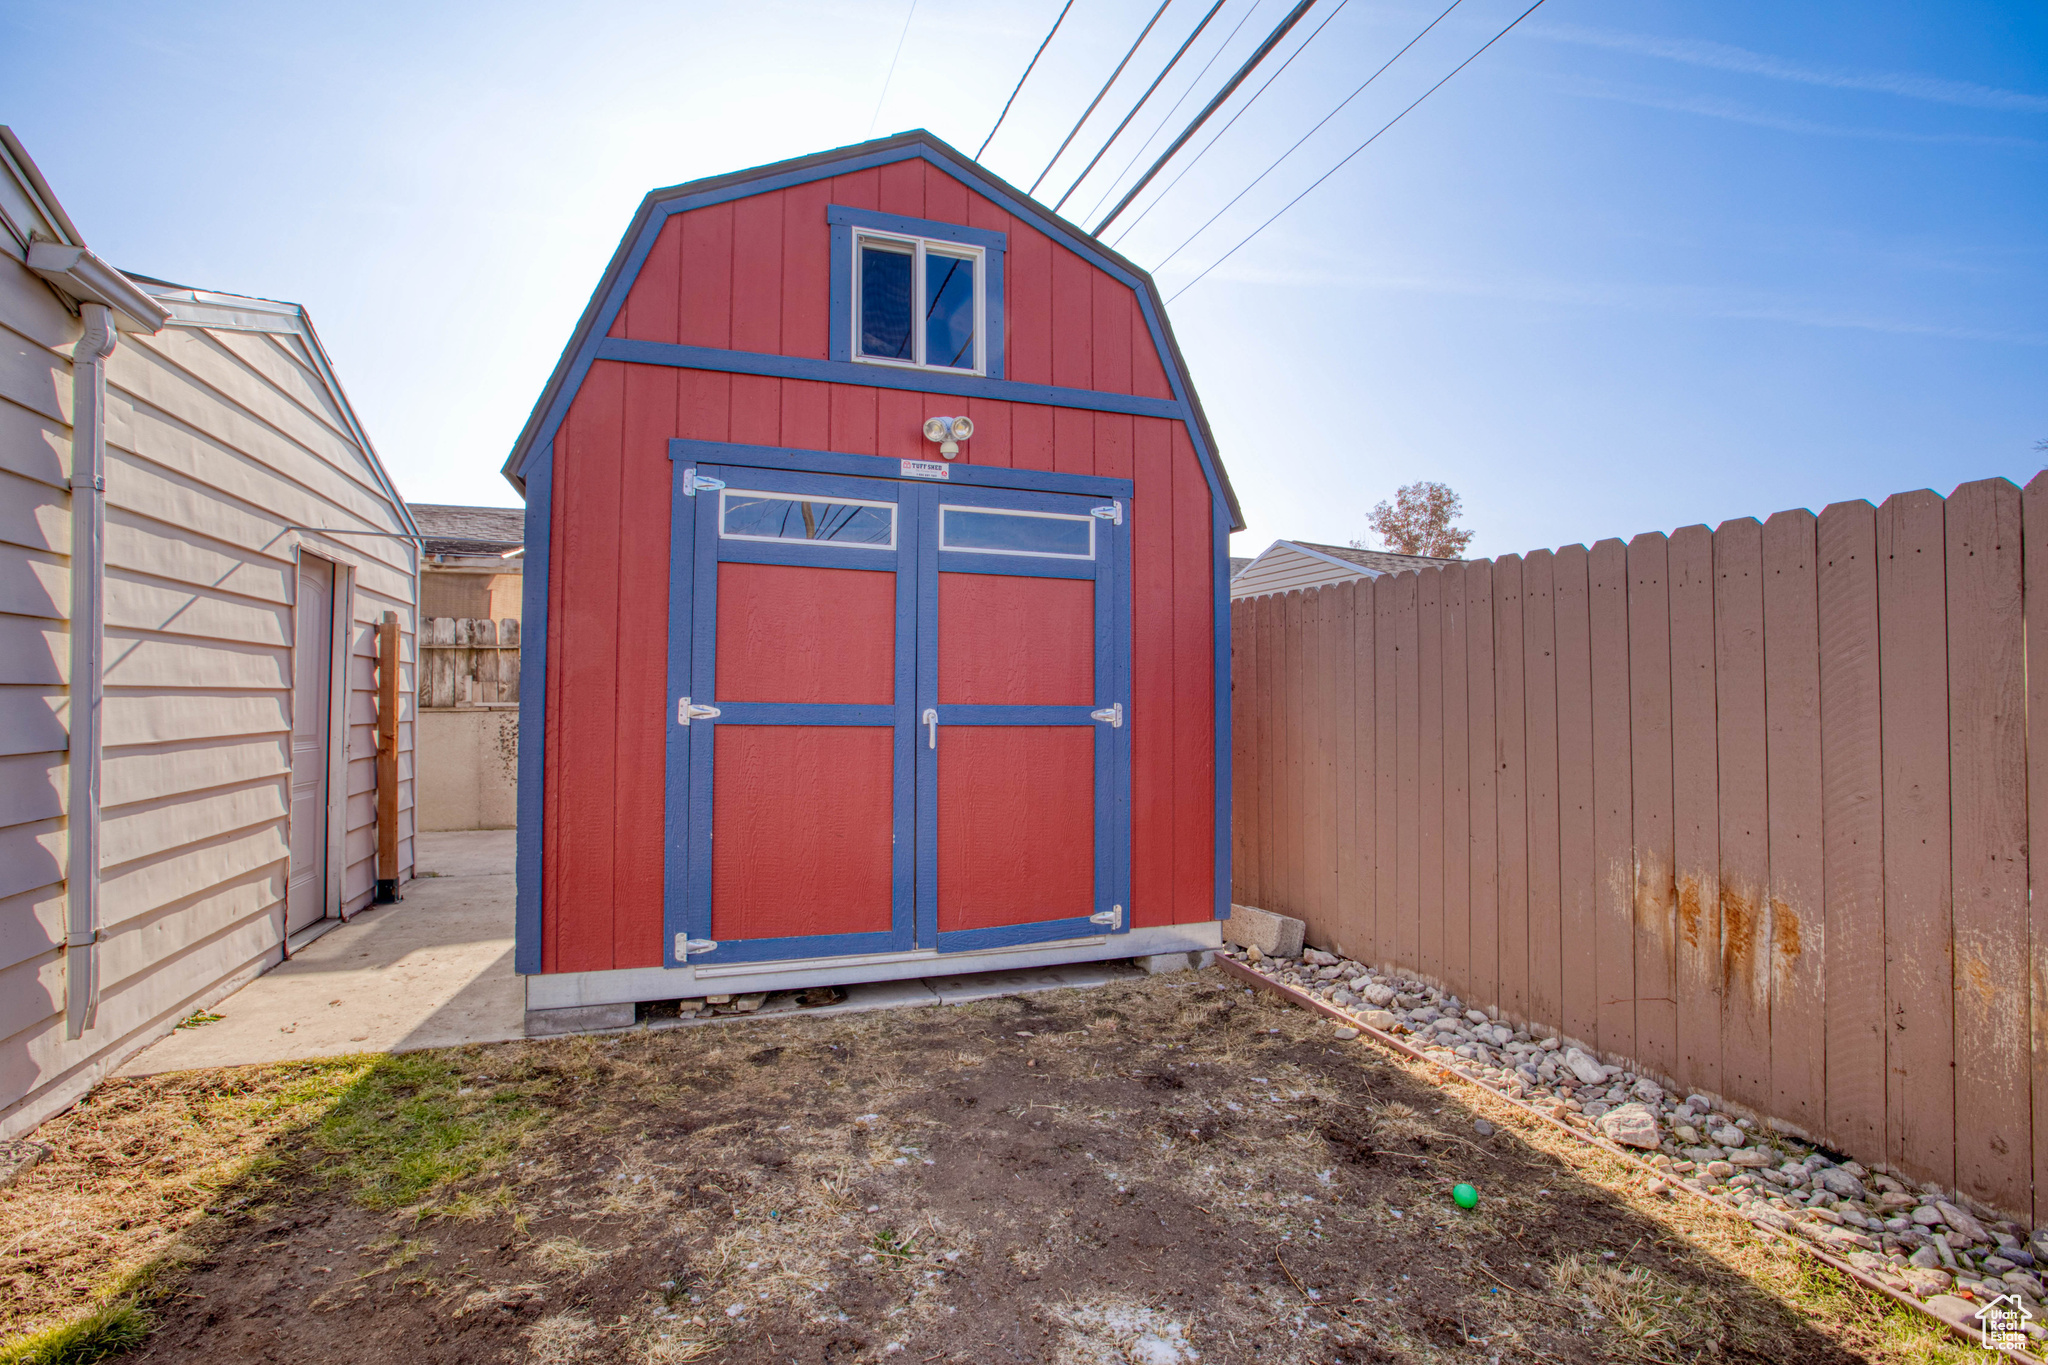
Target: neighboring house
pixel 1237 565
pixel 163 845
pixel 470 586
pixel 1289 564
pixel 876 599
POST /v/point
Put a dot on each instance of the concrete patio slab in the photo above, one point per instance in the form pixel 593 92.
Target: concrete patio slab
pixel 434 970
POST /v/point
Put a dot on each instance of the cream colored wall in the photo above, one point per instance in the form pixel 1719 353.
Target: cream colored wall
pixel 218 443
pixel 1283 569
pixel 469 768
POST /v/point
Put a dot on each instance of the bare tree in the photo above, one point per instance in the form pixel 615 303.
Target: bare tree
pixel 1418 522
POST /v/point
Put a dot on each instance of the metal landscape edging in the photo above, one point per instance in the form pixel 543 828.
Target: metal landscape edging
pixel 1308 1002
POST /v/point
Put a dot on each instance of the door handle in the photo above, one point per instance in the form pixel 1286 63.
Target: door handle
pixel 930 720
pixel 686 711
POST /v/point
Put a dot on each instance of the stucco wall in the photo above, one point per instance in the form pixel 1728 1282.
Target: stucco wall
pixel 468 768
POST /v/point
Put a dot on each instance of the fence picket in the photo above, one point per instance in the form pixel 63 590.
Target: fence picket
pixel 1652 891
pixel 1987 773
pixel 2034 539
pixel 1457 782
pixel 1578 925
pixel 1539 675
pixel 1429 774
pixel 1613 800
pixel 1511 789
pixel 1696 807
pixel 1798 924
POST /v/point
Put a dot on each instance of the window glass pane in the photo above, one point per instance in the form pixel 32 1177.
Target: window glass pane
pixel 963 528
pixel 765 516
pixel 885 302
pixel 948 311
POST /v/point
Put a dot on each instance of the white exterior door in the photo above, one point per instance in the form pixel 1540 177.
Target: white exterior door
pixel 312 719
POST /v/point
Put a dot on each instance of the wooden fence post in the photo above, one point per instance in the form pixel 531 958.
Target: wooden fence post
pixel 387 759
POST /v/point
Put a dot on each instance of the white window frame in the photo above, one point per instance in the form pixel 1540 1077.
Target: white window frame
pixel 946 507
pixel 921 248
pixel 829 499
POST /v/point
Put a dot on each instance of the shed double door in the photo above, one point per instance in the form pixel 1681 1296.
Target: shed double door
pixel 905 717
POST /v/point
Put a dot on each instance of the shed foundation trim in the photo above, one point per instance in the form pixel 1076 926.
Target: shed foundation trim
pixel 569 990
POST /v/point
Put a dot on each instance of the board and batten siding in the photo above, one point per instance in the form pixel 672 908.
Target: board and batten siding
pixel 224 434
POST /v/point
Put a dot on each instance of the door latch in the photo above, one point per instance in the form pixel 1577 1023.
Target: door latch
pixel 686 945
pixel 930 720
pixel 1113 715
pixel 1112 917
pixel 1113 514
pixel 692 481
pixel 685 712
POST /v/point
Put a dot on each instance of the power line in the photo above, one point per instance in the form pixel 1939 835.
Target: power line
pixel 1273 40
pixel 1098 96
pixel 881 98
pixel 1241 110
pixel 1306 136
pixel 1214 57
pixel 1023 78
pixel 1356 150
pixel 1180 52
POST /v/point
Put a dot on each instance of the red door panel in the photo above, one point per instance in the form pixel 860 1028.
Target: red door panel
pixel 805 823
pixel 1016 641
pixel 1016 807
pixel 788 633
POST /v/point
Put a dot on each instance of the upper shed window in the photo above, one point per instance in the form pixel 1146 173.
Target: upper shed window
pixel 913 292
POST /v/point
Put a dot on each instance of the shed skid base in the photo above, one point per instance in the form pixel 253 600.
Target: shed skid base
pixel 630 985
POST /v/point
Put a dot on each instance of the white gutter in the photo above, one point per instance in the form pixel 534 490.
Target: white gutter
pixel 88 588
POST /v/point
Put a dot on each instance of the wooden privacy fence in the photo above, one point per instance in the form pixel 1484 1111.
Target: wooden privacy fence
pixel 469 662
pixel 1747 807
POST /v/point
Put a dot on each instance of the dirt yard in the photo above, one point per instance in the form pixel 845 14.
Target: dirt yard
pixel 1159 1172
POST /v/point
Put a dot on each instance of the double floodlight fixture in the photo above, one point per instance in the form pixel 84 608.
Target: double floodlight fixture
pixel 949 432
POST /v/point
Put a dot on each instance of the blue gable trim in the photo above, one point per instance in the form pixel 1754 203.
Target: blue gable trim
pixel 986 238
pixel 996 245
pixel 533 694
pixel 881 377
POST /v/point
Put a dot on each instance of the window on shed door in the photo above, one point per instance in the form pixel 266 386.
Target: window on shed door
pixel 919 303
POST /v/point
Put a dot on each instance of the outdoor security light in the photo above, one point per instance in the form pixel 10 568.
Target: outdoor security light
pixel 948 432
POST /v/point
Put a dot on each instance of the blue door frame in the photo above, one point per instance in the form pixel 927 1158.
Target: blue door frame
pixel 917 490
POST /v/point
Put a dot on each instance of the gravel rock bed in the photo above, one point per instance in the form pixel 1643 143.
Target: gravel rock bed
pixel 1946 1250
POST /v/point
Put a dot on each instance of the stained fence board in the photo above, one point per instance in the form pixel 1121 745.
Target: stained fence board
pixel 1745 813
pixel 1578 924
pixel 1386 770
pixel 1243 788
pixel 1293 782
pixel 1457 780
pixel 1364 789
pixel 1482 877
pixel 1798 925
pixel 1323 758
pixel 1408 771
pixel 1429 823
pixel 1695 807
pixel 1613 800
pixel 1852 825
pixel 1988 798
pixel 2034 513
pixel 1912 613
pixel 1511 784
pixel 1653 888
pixel 1269 749
pixel 1343 703
pixel 1539 674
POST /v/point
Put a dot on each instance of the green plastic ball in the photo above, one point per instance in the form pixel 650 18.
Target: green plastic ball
pixel 1465 1196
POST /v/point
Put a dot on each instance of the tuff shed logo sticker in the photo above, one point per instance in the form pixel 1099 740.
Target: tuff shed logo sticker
pixel 924 469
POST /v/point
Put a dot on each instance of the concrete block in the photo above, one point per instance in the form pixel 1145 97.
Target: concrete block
pixel 1159 964
pixel 1274 935
pixel 578 1019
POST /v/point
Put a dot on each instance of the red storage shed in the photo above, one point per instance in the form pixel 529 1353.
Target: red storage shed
pixel 877 598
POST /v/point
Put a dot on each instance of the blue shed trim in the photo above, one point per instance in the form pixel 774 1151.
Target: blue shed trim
pixel 684 451
pixel 986 238
pixel 609 297
pixel 873 376
pixel 533 694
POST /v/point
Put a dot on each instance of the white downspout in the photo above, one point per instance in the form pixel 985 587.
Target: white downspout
pixel 88 577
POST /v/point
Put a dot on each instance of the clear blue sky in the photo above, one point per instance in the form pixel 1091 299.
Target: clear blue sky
pixel 1640 265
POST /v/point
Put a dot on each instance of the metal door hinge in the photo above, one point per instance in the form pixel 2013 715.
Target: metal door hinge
pixel 685 712
pixel 692 481
pixel 1113 917
pixel 686 945
pixel 1113 714
pixel 1113 514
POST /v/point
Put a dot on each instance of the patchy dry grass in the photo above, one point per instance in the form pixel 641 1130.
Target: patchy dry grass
pixel 1142 1172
